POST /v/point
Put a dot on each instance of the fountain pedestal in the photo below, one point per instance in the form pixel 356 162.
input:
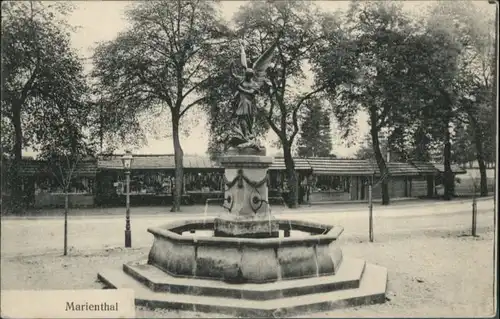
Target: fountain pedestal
pixel 246 199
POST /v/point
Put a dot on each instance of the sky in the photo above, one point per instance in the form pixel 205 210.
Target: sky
pixel 98 21
pixel 102 20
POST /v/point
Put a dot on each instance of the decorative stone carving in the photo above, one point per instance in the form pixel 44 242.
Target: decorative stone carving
pixel 249 214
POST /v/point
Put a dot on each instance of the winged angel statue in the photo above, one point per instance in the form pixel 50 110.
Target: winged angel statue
pixel 250 83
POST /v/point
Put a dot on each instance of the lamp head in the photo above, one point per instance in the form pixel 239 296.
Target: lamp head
pixel 127 160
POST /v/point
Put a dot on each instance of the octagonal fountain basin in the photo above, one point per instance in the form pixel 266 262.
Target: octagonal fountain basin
pixel 189 249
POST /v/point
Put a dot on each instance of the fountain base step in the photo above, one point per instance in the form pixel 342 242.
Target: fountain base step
pixel 347 277
pixel 356 283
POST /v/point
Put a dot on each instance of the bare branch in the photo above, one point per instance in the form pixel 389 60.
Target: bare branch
pixel 192 54
pixel 171 41
pixel 188 78
pixel 73 167
pixel 269 117
pixel 60 182
pixel 191 24
pixel 309 95
pixel 28 86
pixel 297 107
pixel 68 165
pixel 192 104
pixel 313 42
pixel 383 117
pixel 195 86
pixel 156 90
pixel 283 77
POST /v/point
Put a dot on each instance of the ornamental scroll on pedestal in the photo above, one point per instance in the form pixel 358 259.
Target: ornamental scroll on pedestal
pixel 246 198
pixel 240 186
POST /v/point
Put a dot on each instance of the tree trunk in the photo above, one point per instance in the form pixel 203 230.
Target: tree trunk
pixel 101 127
pixel 66 210
pixel 16 201
pixel 292 177
pixel 448 179
pixel 430 186
pixel 478 141
pixel 484 178
pixel 494 87
pixel 381 165
pixel 179 169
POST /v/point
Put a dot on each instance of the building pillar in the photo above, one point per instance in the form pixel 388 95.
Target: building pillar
pixel 352 189
pixel 409 185
pixel 430 186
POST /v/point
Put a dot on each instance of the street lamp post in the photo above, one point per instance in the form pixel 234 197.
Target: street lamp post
pixel 127 163
pixel 370 209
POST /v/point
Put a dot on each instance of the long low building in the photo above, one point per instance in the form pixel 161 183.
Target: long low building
pixel 100 182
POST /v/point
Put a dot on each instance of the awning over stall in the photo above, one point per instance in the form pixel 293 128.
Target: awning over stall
pixel 341 167
pixel 86 168
pixel 301 164
pixel 31 167
pixel 199 162
pixel 156 162
pixel 401 169
pixel 425 168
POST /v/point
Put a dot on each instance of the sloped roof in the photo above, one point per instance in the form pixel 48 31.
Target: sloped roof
pixel 425 167
pixel 300 164
pixel 167 161
pixel 30 167
pixel 456 169
pixel 331 166
pixel 86 168
pixel 402 169
pixel 199 162
pixel 319 166
pixel 359 167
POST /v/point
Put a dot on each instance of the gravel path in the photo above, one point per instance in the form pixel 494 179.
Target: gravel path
pixel 35 236
pixel 433 273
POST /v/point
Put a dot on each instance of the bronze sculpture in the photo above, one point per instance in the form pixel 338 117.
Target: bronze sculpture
pixel 249 85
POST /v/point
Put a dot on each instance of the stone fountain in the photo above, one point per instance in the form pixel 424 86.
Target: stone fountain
pixel 245 261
